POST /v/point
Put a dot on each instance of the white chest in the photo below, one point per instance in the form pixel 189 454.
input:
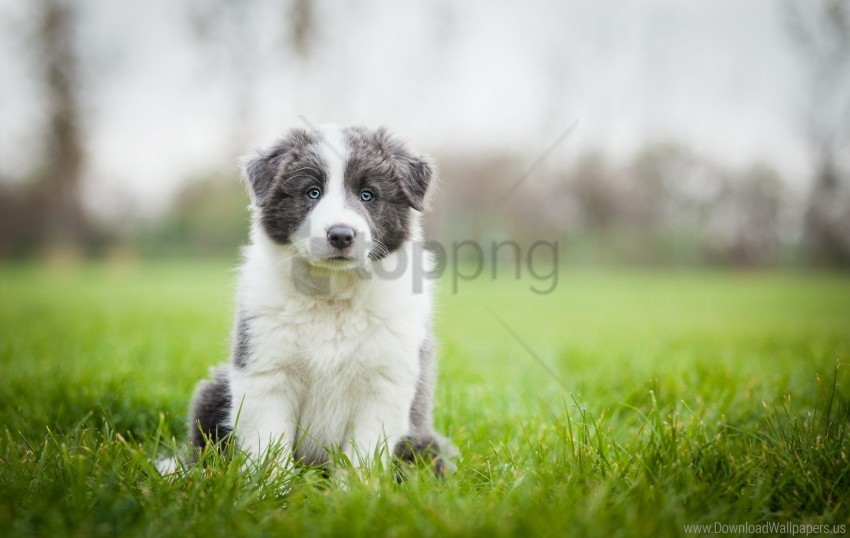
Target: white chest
pixel 319 340
pixel 333 367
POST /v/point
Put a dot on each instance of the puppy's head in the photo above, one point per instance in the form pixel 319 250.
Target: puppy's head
pixel 339 196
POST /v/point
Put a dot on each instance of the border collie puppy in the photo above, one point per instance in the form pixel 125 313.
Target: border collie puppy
pixel 329 351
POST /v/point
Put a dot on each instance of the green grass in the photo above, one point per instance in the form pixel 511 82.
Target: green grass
pixel 635 403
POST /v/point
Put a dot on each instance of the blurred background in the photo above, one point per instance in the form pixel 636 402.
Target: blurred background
pixel 658 132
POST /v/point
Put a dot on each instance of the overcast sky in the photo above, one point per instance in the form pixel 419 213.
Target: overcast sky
pixel 719 75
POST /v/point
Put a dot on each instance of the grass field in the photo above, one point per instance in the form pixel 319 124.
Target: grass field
pixel 623 404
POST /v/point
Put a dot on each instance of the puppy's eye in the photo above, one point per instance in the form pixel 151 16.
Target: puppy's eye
pixel 314 193
pixel 366 195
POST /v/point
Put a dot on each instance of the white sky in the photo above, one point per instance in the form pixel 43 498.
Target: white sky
pixel 719 75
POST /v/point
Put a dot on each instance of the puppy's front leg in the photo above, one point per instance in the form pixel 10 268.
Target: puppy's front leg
pixel 264 415
pixel 379 425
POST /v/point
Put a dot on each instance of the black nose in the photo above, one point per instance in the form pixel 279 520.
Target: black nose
pixel 341 236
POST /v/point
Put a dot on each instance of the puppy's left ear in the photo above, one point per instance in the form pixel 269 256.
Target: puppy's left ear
pixel 416 172
pixel 417 176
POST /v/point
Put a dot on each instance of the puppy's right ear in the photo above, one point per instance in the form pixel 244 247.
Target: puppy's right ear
pixel 262 169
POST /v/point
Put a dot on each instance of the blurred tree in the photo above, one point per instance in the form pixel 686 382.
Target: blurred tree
pixel 65 225
pixel 209 218
pixel 46 213
pixel 827 217
pixel 302 27
pixel 596 192
pixel 20 220
pixel 821 31
pixel 755 203
pixel 232 33
pixel 671 193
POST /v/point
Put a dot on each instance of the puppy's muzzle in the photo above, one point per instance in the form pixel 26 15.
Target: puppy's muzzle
pixel 341 237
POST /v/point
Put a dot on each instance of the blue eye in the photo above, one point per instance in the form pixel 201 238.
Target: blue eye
pixel 366 195
pixel 314 193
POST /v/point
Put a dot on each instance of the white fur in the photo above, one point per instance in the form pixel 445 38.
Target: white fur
pixel 331 371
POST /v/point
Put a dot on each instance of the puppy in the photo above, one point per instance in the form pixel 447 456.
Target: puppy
pixel 332 342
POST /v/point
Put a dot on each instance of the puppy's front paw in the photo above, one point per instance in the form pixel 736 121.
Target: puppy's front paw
pixel 438 451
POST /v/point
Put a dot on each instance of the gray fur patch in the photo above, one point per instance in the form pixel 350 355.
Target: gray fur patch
pixel 280 177
pixel 397 178
pixel 423 442
pixel 241 347
pixel 421 414
pixel 210 410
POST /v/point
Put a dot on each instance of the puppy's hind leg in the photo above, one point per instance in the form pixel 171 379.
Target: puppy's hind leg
pixel 422 442
pixel 210 413
pixel 208 421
